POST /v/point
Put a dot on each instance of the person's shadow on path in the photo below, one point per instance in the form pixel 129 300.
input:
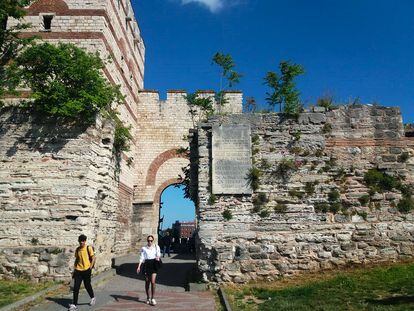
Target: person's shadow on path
pixel 123 297
pixel 64 302
pixel 171 274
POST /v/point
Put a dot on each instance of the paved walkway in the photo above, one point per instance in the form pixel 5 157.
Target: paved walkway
pixel 126 290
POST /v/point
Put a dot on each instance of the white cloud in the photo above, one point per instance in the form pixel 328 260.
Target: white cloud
pixel 212 5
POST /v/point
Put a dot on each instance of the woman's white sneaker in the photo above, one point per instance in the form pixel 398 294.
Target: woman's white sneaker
pixel 93 301
pixel 73 307
pixel 153 302
pixel 148 301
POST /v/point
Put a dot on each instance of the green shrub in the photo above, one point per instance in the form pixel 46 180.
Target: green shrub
pixel 380 181
pixel 321 207
pixel 212 199
pixel 255 151
pixel 296 193
pixel 310 187
pixel 264 213
pixel 364 215
pixel 227 215
pixel 405 205
pixel 297 135
pixel 264 164
pixel 280 208
pixel 325 102
pixel 34 241
pixel 122 137
pixel 327 128
pixel 253 178
pixel 403 157
pixel 335 207
pixel 56 251
pixel 285 167
pixel 333 195
pixel 255 139
pixel 260 199
pixel 364 199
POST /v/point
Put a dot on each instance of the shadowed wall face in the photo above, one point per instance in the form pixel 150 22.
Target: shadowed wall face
pixel 56 183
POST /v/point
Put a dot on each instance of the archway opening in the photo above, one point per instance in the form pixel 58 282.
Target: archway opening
pixel 177 222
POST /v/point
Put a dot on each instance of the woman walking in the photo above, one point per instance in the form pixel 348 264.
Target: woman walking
pixel 150 261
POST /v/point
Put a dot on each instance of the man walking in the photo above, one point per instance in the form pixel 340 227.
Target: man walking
pixel 84 263
pixel 166 242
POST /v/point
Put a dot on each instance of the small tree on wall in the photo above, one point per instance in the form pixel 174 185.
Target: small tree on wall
pixel 227 65
pixel 284 92
pixel 67 83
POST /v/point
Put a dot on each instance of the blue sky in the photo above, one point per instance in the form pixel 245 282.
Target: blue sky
pixel 350 48
pixel 175 207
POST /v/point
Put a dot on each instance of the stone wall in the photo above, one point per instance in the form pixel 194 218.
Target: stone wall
pixel 56 183
pixel 312 209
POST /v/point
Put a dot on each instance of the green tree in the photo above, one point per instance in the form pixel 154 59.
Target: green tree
pixel 284 92
pixel 227 65
pixel 10 42
pixel 66 81
pixel 197 104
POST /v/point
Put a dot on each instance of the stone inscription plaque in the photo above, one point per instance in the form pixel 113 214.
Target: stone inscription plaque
pixel 232 159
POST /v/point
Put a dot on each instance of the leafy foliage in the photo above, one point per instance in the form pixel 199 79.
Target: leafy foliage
pixel 212 199
pixel 284 92
pixel 10 42
pixel 310 187
pixel 259 201
pixel 122 137
pixel 380 181
pixel 285 167
pixel 405 205
pixel 197 105
pixel 327 128
pixel 227 65
pixel 280 208
pixel 333 195
pixel 264 213
pixel 253 178
pixel 364 199
pixel 326 102
pixel 66 81
pixel 227 214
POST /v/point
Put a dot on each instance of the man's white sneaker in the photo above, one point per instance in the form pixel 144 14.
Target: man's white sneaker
pixel 148 301
pixel 73 307
pixel 93 301
pixel 153 302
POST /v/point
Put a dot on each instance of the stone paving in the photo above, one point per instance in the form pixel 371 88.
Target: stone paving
pixel 126 291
